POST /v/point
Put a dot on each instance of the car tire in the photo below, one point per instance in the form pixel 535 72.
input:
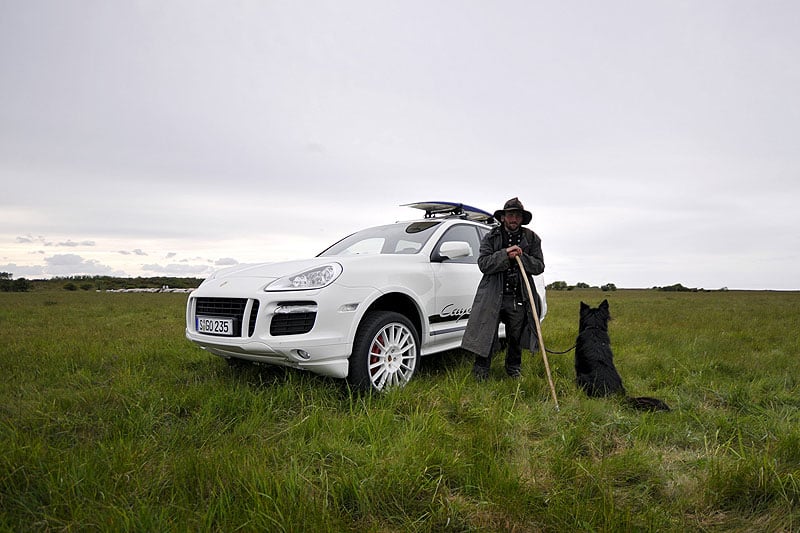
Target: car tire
pixel 385 352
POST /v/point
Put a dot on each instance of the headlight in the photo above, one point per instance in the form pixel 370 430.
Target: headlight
pixel 314 278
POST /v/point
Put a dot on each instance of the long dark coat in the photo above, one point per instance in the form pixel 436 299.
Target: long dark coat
pixel 480 336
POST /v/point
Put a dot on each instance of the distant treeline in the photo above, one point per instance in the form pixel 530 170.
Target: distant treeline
pixel 13 285
pixel 680 288
pixel 563 286
pixel 99 283
pixel 104 283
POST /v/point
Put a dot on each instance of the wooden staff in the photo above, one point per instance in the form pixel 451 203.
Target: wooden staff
pixel 538 330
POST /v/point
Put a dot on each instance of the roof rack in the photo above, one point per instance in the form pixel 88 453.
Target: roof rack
pixel 453 209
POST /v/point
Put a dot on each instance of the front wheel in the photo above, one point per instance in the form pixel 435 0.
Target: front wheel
pixel 385 352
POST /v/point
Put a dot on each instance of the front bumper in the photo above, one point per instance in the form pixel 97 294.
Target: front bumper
pixel 327 360
pixel 325 348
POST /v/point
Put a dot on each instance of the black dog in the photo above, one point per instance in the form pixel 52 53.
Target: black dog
pixel 594 361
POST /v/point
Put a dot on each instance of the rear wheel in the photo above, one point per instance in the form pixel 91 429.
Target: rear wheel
pixel 385 352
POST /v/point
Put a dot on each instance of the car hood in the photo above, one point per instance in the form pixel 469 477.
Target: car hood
pixel 271 270
pixel 357 269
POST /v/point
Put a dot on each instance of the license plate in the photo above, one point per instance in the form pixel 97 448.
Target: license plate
pixel 214 325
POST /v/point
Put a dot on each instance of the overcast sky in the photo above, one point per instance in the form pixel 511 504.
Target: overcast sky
pixel 655 142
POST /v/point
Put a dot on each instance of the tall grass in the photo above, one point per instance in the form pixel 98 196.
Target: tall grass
pixel 110 420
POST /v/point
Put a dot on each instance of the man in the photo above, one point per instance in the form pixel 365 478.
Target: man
pixel 502 295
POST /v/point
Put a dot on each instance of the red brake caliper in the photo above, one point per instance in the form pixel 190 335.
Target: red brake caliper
pixel 375 351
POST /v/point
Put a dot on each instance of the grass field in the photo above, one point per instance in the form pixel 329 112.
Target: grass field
pixel 110 420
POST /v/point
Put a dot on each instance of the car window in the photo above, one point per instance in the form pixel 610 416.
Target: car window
pixel 365 246
pixel 400 238
pixel 407 247
pixel 462 233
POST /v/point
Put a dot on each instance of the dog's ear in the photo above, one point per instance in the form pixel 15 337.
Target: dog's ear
pixel 604 304
pixel 584 307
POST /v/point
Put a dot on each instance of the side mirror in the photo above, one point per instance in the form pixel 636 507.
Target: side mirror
pixel 452 250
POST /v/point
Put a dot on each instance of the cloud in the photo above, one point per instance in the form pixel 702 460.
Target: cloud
pixel 69 243
pixel 30 239
pixel 226 261
pixel 22 271
pixel 136 251
pixel 72 244
pixel 64 260
pixel 75 265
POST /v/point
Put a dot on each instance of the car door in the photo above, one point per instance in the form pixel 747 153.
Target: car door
pixel 455 283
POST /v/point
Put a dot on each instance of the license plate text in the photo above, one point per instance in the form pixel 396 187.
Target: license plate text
pixel 214 326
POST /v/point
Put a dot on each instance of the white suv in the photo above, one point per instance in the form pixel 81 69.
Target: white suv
pixel 365 309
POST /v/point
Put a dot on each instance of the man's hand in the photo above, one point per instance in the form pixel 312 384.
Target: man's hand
pixel 513 251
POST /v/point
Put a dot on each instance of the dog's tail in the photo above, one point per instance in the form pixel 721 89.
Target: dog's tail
pixel 644 403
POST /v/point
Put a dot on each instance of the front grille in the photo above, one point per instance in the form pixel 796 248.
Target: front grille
pixel 253 315
pixel 292 323
pixel 226 307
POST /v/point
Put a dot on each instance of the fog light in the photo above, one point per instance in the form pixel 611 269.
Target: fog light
pixel 302 354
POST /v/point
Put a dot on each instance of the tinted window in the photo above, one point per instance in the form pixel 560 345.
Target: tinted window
pixel 402 238
pixel 463 233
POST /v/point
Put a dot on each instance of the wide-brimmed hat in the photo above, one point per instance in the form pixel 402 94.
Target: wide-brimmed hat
pixel 514 205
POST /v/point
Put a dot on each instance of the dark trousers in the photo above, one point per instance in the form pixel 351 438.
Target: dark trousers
pixel 513 315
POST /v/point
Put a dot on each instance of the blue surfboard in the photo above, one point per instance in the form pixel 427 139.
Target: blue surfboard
pixel 452 208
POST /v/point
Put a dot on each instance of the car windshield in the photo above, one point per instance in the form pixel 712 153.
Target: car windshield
pixel 400 238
